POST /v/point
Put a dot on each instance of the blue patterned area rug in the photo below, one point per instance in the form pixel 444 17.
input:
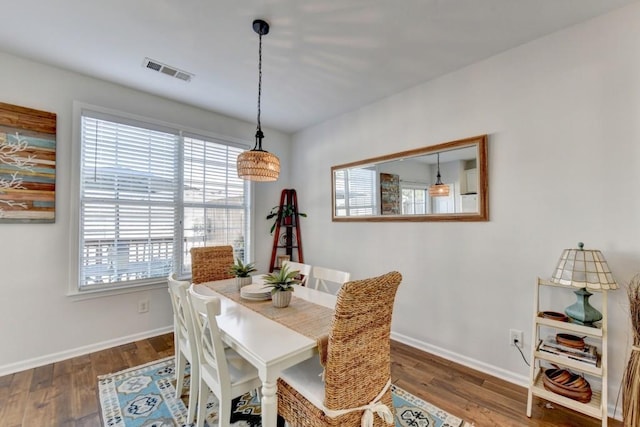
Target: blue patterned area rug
pixel 144 396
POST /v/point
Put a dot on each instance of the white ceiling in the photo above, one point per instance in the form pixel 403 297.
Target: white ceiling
pixel 321 58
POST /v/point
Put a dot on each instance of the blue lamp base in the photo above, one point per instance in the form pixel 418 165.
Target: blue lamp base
pixel 582 312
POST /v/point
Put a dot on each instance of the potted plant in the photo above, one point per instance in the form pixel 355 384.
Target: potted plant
pixel 287 212
pixel 241 272
pixel 281 283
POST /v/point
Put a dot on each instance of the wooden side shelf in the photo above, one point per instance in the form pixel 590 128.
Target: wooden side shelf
pixel 575 365
pixel 568 326
pixel 540 360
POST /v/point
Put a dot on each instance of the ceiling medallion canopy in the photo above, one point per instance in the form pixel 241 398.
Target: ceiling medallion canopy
pixel 258 164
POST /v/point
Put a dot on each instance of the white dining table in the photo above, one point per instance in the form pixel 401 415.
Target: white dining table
pixel 268 345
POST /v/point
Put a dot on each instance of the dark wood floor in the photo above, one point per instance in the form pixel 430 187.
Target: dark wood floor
pixel 65 393
pixel 474 396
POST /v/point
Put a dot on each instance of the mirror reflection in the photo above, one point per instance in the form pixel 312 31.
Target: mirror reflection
pixel 444 182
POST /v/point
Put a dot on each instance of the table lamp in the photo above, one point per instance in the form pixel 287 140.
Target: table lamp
pixel 584 269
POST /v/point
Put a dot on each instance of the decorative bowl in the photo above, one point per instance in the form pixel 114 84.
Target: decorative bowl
pixel 554 315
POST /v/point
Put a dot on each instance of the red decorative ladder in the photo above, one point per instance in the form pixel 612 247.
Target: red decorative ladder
pixel 290 238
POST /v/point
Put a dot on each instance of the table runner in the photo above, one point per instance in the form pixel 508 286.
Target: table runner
pixel 309 319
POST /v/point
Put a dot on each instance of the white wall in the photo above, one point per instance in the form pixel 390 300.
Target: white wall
pixel 38 322
pixel 562 115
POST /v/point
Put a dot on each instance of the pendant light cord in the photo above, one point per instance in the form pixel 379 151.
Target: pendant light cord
pixel 259 134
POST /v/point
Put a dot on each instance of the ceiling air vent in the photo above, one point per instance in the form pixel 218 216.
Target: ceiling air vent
pixel 154 65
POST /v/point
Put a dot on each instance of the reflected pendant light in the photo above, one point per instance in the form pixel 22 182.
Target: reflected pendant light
pixel 439 189
pixel 258 164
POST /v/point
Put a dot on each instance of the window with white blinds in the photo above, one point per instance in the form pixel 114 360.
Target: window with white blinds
pixel 356 192
pixel 214 198
pixel 148 194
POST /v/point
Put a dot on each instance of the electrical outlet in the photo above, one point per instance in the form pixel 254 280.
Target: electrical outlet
pixel 143 306
pixel 514 335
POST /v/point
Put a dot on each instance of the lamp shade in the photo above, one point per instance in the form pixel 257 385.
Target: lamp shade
pixel 257 165
pixel 584 269
pixel 439 190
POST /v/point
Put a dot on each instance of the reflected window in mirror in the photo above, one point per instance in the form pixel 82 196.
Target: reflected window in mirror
pixel 356 192
pixel 414 199
pixel 395 187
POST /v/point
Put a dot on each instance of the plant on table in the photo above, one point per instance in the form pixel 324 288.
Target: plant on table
pixel 241 272
pixel 281 280
pixel 281 283
pixel 239 269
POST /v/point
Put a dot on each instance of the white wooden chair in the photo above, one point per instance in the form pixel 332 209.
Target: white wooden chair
pixel 323 275
pixel 303 269
pixel 184 341
pixel 222 370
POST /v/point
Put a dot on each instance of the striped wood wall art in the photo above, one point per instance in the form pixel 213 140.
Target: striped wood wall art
pixel 27 165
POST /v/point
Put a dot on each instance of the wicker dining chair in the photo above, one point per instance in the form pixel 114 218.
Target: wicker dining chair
pixel 211 263
pixel 357 368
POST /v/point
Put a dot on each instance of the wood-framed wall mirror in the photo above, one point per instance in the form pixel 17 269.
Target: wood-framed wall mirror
pixel 400 186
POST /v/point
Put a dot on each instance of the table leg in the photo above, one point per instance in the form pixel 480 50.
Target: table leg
pixel 269 402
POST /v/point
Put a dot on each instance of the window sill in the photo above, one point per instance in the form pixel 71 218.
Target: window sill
pixel 77 295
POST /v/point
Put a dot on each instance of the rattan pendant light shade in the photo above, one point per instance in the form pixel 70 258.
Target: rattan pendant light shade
pixel 439 190
pixel 258 164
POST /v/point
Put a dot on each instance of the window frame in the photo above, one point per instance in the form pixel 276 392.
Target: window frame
pixel 75 235
pixel 415 187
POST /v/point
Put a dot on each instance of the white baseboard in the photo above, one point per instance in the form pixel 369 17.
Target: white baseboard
pixel 521 380
pixel 79 351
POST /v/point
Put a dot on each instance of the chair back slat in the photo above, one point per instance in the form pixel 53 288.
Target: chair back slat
pixel 322 276
pixel 304 270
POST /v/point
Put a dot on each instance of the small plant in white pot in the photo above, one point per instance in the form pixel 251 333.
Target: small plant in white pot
pixel 281 283
pixel 241 271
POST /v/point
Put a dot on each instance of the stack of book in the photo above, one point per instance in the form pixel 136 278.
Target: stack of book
pixel 587 355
